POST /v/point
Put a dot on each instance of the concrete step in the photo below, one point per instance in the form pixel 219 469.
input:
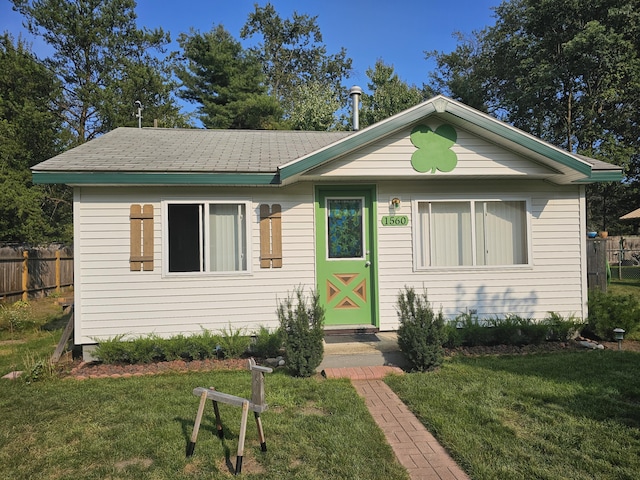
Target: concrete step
pixel 362 350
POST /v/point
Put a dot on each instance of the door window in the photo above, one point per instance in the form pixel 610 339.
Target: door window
pixel 345 229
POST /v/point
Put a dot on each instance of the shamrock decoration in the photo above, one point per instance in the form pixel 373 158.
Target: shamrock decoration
pixel 434 148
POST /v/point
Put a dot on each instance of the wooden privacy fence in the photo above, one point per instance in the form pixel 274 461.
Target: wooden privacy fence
pixel 26 272
pixel 597 264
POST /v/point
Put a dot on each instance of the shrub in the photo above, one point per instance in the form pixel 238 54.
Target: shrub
pixel 302 327
pixel 471 332
pixel 115 350
pixel 234 343
pixel 608 311
pixel 421 333
pixel 560 329
pixel 267 343
pixel 16 317
pixel 152 348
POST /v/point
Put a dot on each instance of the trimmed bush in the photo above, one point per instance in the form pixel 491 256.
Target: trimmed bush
pixel 467 330
pixel 302 326
pixel 266 343
pixel 560 329
pixel 422 333
pixel 608 311
pixel 152 348
pixel 234 343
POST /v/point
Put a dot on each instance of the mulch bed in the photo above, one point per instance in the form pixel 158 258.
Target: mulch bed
pixel 83 370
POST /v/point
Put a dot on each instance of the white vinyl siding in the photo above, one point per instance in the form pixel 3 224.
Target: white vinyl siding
pixel 551 280
pixel 391 157
pixel 112 300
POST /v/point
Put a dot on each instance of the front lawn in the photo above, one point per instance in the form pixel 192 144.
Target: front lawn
pixel 563 415
pixel 139 428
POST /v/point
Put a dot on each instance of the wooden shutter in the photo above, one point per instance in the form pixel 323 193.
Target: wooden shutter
pixel 141 240
pixel 270 236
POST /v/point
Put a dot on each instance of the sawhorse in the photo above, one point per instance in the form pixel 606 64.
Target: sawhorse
pixel 257 405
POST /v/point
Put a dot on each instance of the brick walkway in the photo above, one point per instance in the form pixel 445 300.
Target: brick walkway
pixel 415 448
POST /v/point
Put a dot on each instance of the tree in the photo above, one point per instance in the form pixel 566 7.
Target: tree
pixel 390 94
pixel 104 62
pixel 564 70
pixel 226 80
pixel 293 55
pixel 30 132
pixel 315 108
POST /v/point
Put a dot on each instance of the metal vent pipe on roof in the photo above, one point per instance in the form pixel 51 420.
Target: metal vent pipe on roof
pixel 354 94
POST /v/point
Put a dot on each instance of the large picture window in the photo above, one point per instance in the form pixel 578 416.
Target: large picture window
pixel 471 233
pixel 207 237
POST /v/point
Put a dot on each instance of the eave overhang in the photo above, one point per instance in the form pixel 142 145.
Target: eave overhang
pixel 154 178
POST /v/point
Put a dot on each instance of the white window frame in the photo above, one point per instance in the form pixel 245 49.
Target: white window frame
pixel 204 240
pixel 417 235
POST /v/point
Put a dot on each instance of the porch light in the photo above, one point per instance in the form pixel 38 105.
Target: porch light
pixel 618 334
pixel 395 203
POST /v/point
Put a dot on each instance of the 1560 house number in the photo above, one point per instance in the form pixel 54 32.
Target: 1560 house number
pixel 395 220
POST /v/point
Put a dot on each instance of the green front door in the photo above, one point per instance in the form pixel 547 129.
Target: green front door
pixel 345 260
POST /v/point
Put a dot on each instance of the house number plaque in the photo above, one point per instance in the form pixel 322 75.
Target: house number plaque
pixel 395 220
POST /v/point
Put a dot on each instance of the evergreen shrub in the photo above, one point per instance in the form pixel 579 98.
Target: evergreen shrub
pixel 422 333
pixel 608 311
pixel 302 325
pixel 267 343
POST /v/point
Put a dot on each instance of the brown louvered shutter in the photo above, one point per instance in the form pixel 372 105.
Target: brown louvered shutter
pixel 270 236
pixel 141 239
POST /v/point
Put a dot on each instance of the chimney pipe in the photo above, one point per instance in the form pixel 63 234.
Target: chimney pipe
pixel 354 94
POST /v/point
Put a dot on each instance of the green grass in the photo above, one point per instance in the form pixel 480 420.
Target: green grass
pixel 568 415
pixel 36 339
pixel 627 286
pixel 138 428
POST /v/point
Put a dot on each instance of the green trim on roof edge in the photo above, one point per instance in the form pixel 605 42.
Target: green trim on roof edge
pixel 606 176
pixel 154 178
pixel 446 105
pixel 531 143
pixel 351 143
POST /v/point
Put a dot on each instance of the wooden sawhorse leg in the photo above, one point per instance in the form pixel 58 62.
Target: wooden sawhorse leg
pixel 196 427
pixel 263 442
pixel 243 433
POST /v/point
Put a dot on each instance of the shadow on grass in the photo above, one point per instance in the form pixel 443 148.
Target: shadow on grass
pixel 210 429
pixel 602 385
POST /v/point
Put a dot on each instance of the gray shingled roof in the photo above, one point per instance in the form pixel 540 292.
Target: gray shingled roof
pixel 190 150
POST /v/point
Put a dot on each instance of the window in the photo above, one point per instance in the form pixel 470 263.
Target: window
pixel 471 233
pixel 345 235
pixel 207 237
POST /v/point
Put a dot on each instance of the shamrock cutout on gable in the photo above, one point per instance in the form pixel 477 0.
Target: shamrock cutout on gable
pixel 434 148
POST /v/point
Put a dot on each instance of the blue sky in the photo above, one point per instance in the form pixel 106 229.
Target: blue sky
pixel 398 32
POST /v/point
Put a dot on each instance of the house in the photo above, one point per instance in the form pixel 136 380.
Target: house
pixel 180 230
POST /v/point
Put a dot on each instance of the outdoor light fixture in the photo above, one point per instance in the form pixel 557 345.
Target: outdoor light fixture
pixel 395 203
pixel 618 334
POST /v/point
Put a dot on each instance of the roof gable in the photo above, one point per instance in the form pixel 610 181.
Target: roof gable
pixel 150 156
pixel 568 167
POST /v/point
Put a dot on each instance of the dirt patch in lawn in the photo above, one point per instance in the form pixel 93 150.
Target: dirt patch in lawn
pixel 83 370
